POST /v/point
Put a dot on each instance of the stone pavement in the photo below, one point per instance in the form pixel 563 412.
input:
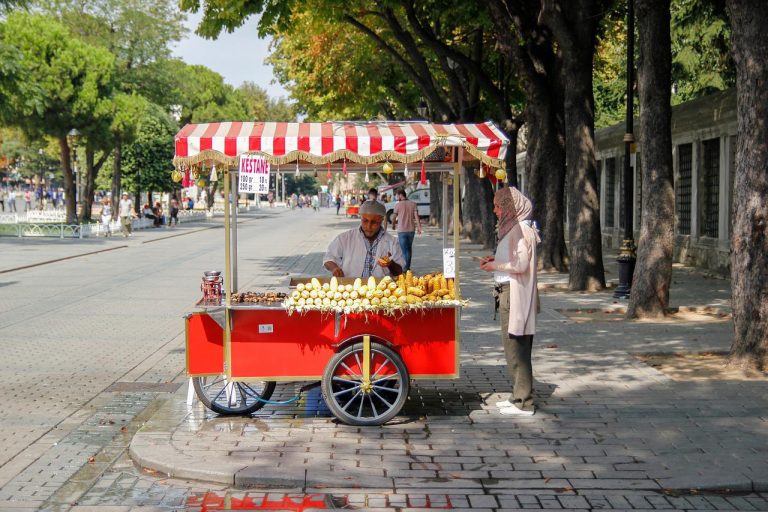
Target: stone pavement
pixel 608 429
pixel 89 340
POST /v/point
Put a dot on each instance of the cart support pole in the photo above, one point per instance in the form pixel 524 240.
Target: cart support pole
pixel 235 196
pixel 444 207
pixel 366 363
pixel 227 275
pixel 456 220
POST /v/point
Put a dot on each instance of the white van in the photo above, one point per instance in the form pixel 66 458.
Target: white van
pixel 420 196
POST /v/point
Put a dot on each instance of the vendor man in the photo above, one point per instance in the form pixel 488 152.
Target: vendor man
pixel 367 250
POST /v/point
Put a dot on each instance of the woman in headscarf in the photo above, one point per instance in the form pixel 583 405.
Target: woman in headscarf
pixel 514 271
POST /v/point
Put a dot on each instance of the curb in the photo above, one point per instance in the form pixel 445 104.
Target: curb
pixel 155 451
pixel 33 265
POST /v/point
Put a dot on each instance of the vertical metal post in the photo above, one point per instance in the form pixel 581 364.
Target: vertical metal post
pixel 456 221
pixel 235 200
pixel 627 257
pixel 227 278
pixel 444 205
pixel 366 362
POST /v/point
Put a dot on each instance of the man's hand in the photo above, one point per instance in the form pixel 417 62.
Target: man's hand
pixel 384 261
pixel 333 268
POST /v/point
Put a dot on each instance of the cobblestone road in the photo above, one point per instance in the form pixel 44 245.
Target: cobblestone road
pixel 93 352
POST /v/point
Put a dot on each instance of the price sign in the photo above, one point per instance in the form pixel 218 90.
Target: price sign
pixel 449 262
pixel 253 175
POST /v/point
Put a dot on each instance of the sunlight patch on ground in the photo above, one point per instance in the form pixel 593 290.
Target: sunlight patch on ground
pixel 677 315
pixel 688 366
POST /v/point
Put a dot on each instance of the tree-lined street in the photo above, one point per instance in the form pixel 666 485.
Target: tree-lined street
pixel 87 382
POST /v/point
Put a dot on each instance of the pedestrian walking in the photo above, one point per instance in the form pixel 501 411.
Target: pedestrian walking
pixel 514 271
pixel 405 218
pixel 174 212
pixel 338 203
pixel 27 200
pixel 2 199
pixel 126 215
pixel 12 200
pixel 106 216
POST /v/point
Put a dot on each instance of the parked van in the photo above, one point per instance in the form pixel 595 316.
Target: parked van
pixel 420 196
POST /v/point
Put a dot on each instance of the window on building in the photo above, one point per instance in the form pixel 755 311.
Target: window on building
pixel 610 186
pixel 710 187
pixel 620 174
pixel 732 176
pixel 683 188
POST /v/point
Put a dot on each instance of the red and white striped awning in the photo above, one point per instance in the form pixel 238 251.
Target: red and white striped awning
pixel 362 142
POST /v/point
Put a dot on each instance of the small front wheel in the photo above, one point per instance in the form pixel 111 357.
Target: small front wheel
pixel 356 402
pixel 231 397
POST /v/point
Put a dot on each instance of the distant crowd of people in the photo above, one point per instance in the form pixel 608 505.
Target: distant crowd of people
pixel 14 198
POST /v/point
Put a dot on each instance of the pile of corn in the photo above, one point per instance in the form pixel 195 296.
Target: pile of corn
pixel 386 294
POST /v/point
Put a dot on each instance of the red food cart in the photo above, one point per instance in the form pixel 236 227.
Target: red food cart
pixel 364 360
pixel 352 210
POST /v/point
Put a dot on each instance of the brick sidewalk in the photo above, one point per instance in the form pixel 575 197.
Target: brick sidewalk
pixel 605 421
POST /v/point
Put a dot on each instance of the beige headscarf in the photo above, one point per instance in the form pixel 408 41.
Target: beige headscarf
pixel 515 207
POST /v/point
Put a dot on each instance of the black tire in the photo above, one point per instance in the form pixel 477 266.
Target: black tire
pixel 211 391
pixel 342 389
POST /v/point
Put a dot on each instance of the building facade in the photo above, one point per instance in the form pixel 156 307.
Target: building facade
pixel 703 150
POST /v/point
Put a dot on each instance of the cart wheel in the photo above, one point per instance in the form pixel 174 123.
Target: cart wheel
pixel 232 397
pixel 347 396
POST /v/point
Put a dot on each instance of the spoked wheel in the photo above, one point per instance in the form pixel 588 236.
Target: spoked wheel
pixel 232 397
pixel 356 402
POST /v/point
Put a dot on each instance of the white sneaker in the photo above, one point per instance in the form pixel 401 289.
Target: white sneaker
pixel 503 403
pixel 514 410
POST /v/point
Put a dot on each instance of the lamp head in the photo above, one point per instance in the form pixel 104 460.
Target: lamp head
pixel 422 108
pixel 73 137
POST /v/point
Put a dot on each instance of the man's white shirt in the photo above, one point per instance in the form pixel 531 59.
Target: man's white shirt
pixel 348 251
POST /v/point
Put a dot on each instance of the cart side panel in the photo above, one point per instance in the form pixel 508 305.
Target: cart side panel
pixel 205 346
pixel 427 342
pixel 270 343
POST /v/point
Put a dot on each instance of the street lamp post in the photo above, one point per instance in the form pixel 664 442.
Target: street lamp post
pixel 73 138
pixel 627 258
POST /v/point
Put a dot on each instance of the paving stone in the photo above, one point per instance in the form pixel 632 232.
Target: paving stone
pixel 586 434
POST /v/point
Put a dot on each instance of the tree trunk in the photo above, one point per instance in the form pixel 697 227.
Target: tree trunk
pixel 211 194
pixel 70 200
pixel 435 199
pixel 653 271
pixel 89 185
pixel 117 176
pixel 478 220
pixel 586 272
pixel 545 177
pixel 529 47
pixel 512 130
pixel 574 24
pixel 749 242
